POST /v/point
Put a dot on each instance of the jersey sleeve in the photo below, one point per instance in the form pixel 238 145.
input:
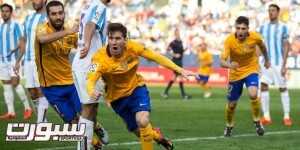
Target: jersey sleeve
pixel 226 52
pixel 154 56
pixel 41 30
pixel 73 38
pixel 94 74
pixel 285 34
pixel 19 30
pixel 259 40
pixel 98 15
pixel 71 42
pixel 24 27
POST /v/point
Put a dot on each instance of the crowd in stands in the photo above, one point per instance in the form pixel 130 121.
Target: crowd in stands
pixel 154 24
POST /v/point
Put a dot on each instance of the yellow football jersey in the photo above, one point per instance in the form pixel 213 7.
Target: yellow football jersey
pixel 120 74
pixel 205 59
pixel 244 53
pixel 52 58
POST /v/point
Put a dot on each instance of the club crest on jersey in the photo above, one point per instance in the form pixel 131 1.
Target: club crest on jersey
pixel 93 67
pixel 248 48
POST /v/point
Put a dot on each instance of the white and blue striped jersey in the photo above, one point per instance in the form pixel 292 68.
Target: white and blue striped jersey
pixel 95 12
pixel 10 34
pixel 274 36
pixel 30 25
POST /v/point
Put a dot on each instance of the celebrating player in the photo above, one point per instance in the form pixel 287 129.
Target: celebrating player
pixel 116 64
pixel 240 57
pixel 53 45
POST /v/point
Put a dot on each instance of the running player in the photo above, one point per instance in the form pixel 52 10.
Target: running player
pixel 116 64
pixel 240 57
pixel 205 60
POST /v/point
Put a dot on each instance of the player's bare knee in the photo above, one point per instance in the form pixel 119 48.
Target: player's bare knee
pixel 143 122
pixel 232 105
pixel 14 85
pixel 201 83
pixel 142 119
pixel 282 89
pixel 6 81
pixel 15 81
pixel 34 96
pixel 88 112
pixel 264 87
pixel 33 93
pixel 39 92
pixel 253 96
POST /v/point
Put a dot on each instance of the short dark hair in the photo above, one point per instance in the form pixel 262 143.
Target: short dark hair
pixel 275 5
pixel 7 5
pixel 53 3
pixel 113 27
pixel 242 20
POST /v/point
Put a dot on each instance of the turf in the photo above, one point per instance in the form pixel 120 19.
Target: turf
pixel 198 118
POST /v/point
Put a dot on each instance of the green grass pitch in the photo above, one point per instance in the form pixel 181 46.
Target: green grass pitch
pixel 195 124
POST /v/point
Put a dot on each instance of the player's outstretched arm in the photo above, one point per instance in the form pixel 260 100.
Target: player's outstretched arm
pixel 166 62
pixel 43 37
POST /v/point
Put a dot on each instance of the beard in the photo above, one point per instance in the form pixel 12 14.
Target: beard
pixel 37 7
pixel 57 24
pixel 5 19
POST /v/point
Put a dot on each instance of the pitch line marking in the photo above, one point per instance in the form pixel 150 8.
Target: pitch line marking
pixel 184 139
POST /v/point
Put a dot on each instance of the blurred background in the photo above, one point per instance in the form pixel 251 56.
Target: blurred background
pixel 153 22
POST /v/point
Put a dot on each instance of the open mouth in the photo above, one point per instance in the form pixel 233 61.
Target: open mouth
pixel 115 48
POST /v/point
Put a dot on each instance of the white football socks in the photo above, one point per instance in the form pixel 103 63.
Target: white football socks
pixel 42 109
pixel 21 93
pixel 285 100
pixel 9 97
pixel 89 131
pixel 265 103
